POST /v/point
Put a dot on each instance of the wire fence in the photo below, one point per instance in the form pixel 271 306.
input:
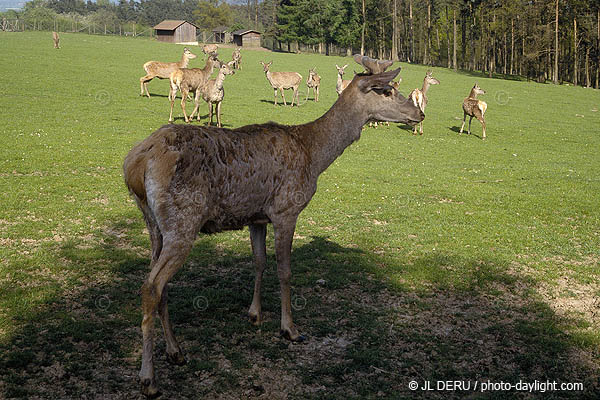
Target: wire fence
pixel 76 25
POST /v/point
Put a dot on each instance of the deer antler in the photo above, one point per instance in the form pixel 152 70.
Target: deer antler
pixel 372 66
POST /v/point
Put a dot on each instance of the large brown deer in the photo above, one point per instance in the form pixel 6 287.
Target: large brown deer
pixel 161 70
pixel 314 82
pixel 283 80
pixel 191 80
pixel 419 96
pixel 189 179
pixel 474 108
pixel 56 39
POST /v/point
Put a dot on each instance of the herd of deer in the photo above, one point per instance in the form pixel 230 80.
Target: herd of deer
pixel 189 179
pixel 211 90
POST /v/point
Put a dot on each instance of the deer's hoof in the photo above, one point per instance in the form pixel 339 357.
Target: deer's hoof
pixel 176 358
pixel 149 388
pixel 296 338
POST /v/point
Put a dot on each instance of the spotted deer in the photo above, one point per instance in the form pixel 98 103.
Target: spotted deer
pixel 281 81
pixel 314 82
pixel 419 97
pixel 474 108
pixel 190 179
pixel 161 70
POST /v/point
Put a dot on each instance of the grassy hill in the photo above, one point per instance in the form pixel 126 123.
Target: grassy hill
pixel 420 258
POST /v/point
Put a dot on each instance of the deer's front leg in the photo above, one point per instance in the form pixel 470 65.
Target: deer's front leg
pixel 275 97
pixel 258 234
pixel 284 233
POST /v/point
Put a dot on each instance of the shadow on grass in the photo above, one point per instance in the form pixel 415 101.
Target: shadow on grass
pixel 373 325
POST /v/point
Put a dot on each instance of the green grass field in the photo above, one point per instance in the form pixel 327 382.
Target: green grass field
pixel 420 258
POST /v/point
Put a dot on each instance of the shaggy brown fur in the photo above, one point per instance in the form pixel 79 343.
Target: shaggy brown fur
pixel 191 179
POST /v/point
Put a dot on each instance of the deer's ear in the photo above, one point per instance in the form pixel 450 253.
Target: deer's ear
pixel 378 81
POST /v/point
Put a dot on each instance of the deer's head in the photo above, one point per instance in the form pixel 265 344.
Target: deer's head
pixel 375 96
pixel 312 73
pixel 188 53
pixel 227 68
pixel 430 79
pixel 341 69
pixel 266 66
pixel 478 90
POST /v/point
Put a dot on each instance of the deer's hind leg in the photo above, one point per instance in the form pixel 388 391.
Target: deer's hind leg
pixel 283 96
pixel 144 84
pixel 464 120
pixel 258 234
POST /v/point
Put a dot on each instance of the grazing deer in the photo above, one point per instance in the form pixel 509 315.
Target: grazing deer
pixel 283 80
pixel 160 70
pixel 210 49
pixel 341 83
pixel 213 92
pixel 474 108
pixel 56 39
pixel 237 58
pixel 314 82
pixel 419 97
pixel 190 179
pixel 191 80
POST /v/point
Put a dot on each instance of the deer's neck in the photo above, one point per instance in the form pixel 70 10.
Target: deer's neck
pixel 219 81
pixel 184 62
pixel 473 94
pixel 327 137
pixel 340 80
pixel 425 87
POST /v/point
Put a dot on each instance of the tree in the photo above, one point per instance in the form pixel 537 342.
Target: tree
pixel 212 13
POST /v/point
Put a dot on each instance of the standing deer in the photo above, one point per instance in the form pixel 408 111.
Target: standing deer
pixel 213 92
pixel 314 82
pixel 474 108
pixel 281 81
pixel 160 70
pixel 237 58
pixel 56 39
pixel 191 80
pixel 190 179
pixel 341 83
pixel 419 97
pixel 210 49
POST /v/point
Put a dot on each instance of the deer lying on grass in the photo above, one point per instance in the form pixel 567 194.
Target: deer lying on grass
pixel 210 49
pixel 474 108
pixel 160 70
pixel 341 83
pixel 283 80
pixel 191 80
pixel 190 179
pixel 237 58
pixel 213 92
pixel 56 39
pixel 419 96
pixel 314 82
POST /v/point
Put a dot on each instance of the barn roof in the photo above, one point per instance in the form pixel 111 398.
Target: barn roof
pixel 171 25
pixel 242 32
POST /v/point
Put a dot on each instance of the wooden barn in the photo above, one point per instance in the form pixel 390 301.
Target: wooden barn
pixel 175 31
pixel 246 38
pixel 221 35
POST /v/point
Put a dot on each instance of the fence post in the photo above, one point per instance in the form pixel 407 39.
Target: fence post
pixel 134 29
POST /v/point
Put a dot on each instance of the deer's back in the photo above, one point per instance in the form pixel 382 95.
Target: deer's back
pixel 160 69
pixel 231 177
pixel 285 80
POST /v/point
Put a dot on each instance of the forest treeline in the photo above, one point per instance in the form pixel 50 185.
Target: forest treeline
pixel 544 40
